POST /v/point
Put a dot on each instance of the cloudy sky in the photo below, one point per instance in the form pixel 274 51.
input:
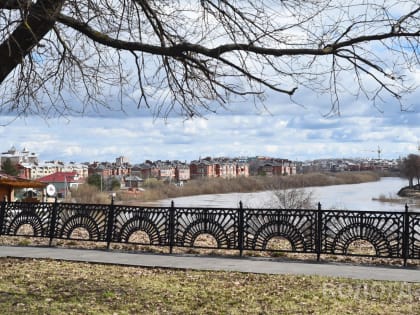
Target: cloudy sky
pixel 281 129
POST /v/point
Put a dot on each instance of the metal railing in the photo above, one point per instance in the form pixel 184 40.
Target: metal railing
pixel 315 231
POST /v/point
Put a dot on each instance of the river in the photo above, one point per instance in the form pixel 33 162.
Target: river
pixel 347 197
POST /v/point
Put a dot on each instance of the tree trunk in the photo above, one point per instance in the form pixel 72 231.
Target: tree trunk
pixel 39 21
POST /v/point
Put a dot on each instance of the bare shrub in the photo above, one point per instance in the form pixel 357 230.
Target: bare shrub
pixel 25 229
pixel 205 240
pixel 152 183
pixel 88 194
pixel 80 233
pixel 279 243
pixel 361 247
pixel 140 237
pixel 285 196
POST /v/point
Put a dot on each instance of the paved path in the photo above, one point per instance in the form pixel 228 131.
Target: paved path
pixel 253 265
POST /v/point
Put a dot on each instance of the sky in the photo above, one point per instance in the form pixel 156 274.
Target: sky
pixel 280 129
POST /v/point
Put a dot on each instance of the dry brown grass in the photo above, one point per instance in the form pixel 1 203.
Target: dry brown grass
pixel 88 194
pixel 30 286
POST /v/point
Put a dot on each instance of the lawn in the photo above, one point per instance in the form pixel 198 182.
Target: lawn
pixel 29 286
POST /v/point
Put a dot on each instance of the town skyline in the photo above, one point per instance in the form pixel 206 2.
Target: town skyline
pixel 123 159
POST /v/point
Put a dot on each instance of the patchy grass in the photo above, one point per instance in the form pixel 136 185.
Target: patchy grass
pixel 56 287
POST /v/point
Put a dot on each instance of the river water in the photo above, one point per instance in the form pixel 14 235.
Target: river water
pixel 345 197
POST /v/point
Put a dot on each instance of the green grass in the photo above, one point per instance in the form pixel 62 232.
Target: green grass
pixel 55 287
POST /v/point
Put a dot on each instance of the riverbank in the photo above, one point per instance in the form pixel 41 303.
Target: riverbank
pixel 244 185
pixel 410 192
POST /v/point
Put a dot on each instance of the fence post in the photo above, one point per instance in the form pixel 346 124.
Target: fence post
pixel 241 229
pixel 171 227
pixel 110 223
pixel 318 232
pixel 53 221
pixel 2 214
pixel 406 234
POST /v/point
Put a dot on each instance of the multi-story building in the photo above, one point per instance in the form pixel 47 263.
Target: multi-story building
pixel 36 170
pixel 272 166
pixel 172 171
pixel 122 161
pixel 242 168
pixel 182 172
pixel 18 157
pixel 146 170
pixel 107 169
pixel 219 167
pixel 202 168
pixel 166 171
pixel 225 168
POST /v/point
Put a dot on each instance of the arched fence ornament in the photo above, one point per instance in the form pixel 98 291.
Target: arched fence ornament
pixel 316 231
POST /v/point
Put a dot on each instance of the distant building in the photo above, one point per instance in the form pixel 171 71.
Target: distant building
pixel 18 157
pixel 202 168
pixel 182 172
pixel 272 166
pixel 225 168
pixel 146 170
pixel 242 168
pixel 122 161
pixel 34 171
pixel 219 167
pixel 171 171
pixel 107 169
pixel 133 181
pixel 62 181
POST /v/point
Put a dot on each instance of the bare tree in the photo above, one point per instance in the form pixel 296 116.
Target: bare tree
pixel 60 56
pixel 285 195
pixel 410 168
pixel 292 198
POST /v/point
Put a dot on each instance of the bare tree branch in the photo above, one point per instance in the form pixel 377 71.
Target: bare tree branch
pixel 38 22
pixel 192 56
pixel 15 4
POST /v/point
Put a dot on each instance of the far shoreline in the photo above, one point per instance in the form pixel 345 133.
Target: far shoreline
pixel 245 185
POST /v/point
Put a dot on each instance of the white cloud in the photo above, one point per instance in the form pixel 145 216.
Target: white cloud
pixel 289 131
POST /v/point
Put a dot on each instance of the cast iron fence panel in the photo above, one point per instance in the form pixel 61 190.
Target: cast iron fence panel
pixel 414 236
pixel 154 222
pixel 18 214
pixel 90 217
pixel 222 224
pixel 298 227
pixel 392 234
pixel 384 230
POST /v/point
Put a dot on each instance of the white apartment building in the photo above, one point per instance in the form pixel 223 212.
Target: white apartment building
pixel 18 157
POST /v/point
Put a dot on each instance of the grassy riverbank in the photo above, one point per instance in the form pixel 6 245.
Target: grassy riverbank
pixel 160 190
pixel 56 287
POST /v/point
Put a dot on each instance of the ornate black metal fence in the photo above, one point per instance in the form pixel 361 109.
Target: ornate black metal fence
pixel 391 234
